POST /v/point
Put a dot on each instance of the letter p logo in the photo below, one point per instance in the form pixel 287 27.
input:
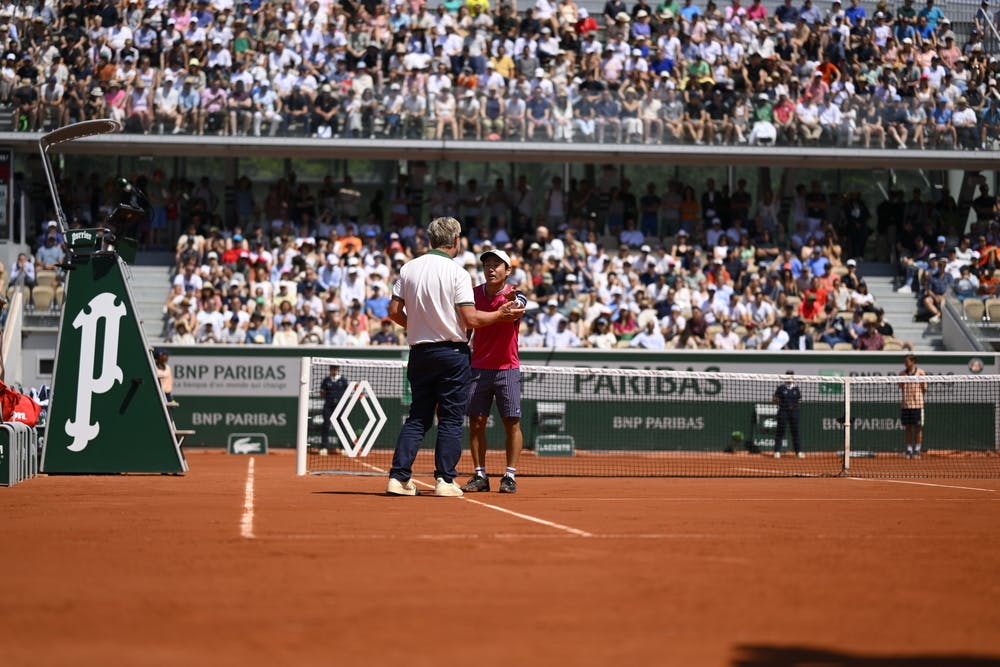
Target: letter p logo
pixel 102 308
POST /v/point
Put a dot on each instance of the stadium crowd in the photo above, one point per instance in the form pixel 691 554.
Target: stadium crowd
pixel 699 72
pixel 726 275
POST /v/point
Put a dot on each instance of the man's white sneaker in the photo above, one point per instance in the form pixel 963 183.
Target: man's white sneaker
pixel 801 455
pixel 904 289
pixel 447 489
pixel 777 455
pixel 397 488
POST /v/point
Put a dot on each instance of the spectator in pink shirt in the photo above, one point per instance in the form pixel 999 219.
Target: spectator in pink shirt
pixel 213 107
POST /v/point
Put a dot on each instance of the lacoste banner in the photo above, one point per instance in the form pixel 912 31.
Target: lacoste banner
pixel 107 412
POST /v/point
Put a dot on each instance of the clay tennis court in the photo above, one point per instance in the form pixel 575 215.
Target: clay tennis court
pixel 227 567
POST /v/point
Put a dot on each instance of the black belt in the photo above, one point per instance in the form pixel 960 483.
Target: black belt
pixel 454 345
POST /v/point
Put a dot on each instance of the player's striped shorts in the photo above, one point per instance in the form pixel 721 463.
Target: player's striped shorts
pixel 503 385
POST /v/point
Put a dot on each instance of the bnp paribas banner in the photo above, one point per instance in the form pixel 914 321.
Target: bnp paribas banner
pixel 107 412
pixel 244 395
pixel 228 398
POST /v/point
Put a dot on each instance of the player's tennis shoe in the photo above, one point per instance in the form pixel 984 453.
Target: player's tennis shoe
pixel 508 484
pixel 801 455
pixel 397 488
pixel 447 489
pixel 477 484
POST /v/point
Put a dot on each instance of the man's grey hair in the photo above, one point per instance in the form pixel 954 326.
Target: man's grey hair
pixel 442 231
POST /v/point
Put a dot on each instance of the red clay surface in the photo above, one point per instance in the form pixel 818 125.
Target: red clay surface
pixel 150 570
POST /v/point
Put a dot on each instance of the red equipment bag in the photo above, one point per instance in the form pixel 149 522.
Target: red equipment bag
pixel 17 407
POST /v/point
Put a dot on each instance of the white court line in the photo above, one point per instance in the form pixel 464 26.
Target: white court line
pixel 519 515
pixel 479 536
pixel 533 519
pixel 246 521
pixel 941 486
pixel 632 499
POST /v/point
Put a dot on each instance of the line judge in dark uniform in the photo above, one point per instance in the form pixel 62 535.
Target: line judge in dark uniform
pixel 433 300
pixel 788 398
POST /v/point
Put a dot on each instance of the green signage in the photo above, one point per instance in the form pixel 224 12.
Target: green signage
pixel 108 413
pixel 223 395
pixel 83 239
pixel 247 443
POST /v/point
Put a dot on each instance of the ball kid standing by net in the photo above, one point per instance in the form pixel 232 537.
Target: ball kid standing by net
pixel 911 413
pixel 496 374
pixel 331 390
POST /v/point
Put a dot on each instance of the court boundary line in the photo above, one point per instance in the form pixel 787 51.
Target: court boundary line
pixel 904 481
pixel 487 535
pixel 526 517
pixel 246 519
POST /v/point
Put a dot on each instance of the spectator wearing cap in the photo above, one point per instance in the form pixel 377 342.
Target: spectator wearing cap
pixel 585 23
pixel 50 254
pixel 944 130
pixel 267 106
pixel 377 305
pixel 386 334
pixel 285 335
pixel 938 282
pixel 189 106
pixel 326 113
pixel 166 104
pixel 445 108
pixel 600 335
pixel 353 288
pixel 392 107
pixel 234 333
pixel 296 112
pixel 218 56
pixel 966 285
pixel 549 316
pixel 51 102
pixel 116 100
pixel 193 33
pixel 309 331
pixel 965 125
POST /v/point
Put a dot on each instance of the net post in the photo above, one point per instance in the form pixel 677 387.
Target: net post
pixel 847 425
pixel 302 425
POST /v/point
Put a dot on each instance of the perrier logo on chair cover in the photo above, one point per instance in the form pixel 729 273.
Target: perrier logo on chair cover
pixel 107 413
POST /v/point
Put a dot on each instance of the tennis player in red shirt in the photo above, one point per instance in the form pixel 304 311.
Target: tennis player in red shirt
pixel 496 374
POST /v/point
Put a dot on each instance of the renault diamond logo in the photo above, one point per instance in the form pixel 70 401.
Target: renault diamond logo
pixel 354 444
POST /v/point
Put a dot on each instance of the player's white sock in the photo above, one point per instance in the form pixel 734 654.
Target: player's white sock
pixel 481 471
pixel 511 472
pixel 909 448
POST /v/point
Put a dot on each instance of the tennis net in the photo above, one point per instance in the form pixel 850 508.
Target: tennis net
pixel 581 421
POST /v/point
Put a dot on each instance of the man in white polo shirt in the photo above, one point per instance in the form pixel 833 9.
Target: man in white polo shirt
pixel 433 300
